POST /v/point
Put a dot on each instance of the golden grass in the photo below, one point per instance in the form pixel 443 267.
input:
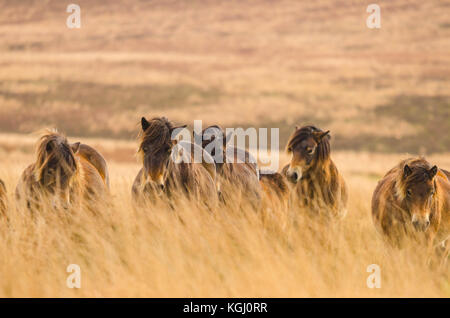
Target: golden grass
pixel 125 252
pixel 230 63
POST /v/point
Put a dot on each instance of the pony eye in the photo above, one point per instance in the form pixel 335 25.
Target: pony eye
pixel 310 151
pixel 408 192
pixel 145 149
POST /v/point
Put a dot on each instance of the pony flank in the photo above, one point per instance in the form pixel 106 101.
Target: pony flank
pixel 2 198
pixel 169 169
pixel 61 174
pixel 318 186
pixel 96 159
pixel 237 171
pixel 413 200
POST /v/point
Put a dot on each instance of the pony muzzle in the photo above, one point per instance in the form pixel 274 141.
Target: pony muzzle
pixel 420 223
pixel 294 174
pixel 158 180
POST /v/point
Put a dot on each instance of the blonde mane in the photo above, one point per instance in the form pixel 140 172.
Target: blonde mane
pixel 54 147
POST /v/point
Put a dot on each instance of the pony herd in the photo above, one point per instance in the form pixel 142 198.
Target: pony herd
pixel 411 202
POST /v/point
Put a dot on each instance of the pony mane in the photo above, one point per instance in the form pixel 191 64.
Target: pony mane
pixel 158 133
pixel 420 168
pixel 53 146
pixel 323 148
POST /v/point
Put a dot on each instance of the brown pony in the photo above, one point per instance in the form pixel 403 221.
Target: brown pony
pixel 62 174
pixel 318 186
pixel 413 201
pixel 2 198
pixel 169 167
pixel 237 178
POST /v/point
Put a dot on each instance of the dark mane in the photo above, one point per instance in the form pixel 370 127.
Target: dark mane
pixel 158 133
pixel 53 150
pixel 323 148
pixel 420 170
pixel 419 174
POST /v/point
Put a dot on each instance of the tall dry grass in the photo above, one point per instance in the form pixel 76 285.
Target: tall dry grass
pixel 233 63
pixel 190 252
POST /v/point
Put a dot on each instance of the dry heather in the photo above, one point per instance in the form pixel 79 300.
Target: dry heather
pixel 192 253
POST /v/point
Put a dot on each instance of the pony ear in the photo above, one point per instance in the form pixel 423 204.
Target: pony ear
pixel 319 135
pixel 75 147
pixel 407 171
pixel 49 147
pixel 432 172
pixel 145 124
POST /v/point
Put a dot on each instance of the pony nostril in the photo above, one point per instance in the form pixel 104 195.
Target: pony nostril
pixel 421 226
pixel 293 177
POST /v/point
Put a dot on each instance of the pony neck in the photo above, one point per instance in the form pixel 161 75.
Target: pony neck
pixel 320 168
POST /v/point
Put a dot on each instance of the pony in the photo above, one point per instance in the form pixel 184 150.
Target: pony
pixel 318 187
pixel 412 201
pixel 237 171
pixel 63 175
pixel 169 167
pixel 2 198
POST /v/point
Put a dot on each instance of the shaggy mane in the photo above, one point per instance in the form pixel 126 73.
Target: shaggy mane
pixel 323 148
pixel 158 134
pixel 53 147
pixel 419 167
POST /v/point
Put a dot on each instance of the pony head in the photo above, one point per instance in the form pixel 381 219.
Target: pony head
pixel 308 146
pixel 416 188
pixel 214 142
pixel 156 144
pixel 56 166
